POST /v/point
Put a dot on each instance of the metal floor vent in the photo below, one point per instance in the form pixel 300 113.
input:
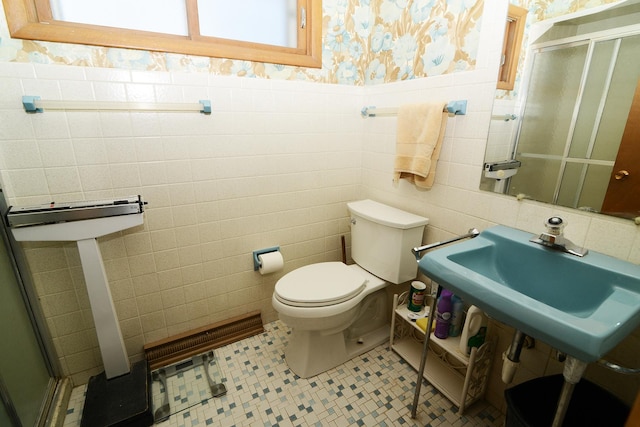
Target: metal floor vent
pixel 182 346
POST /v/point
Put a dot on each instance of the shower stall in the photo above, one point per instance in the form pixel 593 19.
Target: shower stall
pixel 578 98
pixel 29 373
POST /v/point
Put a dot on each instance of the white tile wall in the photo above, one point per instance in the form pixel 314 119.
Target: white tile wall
pixel 268 167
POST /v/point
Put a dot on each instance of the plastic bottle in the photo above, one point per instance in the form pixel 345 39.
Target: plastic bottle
pixel 457 313
pixel 478 339
pixel 472 325
pixel 443 314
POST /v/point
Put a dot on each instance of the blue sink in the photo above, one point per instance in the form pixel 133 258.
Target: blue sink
pixel 583 306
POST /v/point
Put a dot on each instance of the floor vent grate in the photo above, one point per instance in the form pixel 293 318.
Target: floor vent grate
pixel 182 346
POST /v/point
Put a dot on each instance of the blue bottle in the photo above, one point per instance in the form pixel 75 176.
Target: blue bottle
pixel 457 313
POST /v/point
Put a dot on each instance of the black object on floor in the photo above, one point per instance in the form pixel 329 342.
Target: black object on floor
pixel 124 401
pixel 533 404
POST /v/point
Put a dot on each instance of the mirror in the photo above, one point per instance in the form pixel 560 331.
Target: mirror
pixel 568 132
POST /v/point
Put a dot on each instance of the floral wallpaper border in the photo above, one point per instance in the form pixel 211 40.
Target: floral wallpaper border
pixel 365 42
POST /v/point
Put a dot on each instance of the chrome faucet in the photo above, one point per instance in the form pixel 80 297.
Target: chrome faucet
pixel 553 238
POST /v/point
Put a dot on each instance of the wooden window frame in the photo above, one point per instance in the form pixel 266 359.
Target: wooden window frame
pixel 33 20
pixel 511 47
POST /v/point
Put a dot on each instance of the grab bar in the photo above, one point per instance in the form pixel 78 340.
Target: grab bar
pixel 473 232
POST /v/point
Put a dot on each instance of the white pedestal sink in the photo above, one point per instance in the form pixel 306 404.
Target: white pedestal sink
pixel 85 232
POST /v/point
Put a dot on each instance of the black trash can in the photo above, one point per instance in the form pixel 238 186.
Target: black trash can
pixel 533 404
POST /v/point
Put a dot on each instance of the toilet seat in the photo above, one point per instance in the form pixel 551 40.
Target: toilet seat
pixel 319 285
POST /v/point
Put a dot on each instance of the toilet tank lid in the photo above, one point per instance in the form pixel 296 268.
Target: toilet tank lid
pixel 386 215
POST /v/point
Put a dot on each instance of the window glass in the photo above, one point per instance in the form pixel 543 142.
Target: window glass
pixel 160 16
pixel 268 22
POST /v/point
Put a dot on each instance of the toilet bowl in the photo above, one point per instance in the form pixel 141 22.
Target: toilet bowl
pixel 337 311
pixel 325 330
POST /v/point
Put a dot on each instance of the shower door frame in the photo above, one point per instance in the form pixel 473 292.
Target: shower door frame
pixel 38 322
pixel 589 39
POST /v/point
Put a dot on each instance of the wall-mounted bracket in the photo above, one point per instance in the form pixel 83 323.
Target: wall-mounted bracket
pixel 29 103
pixel 457 108
pixel 256 261
pixel 206 106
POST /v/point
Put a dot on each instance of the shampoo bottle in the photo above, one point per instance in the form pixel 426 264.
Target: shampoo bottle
pixel 443 314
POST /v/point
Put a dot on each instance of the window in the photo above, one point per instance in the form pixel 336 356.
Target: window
pixel 511 47
pixel 192 27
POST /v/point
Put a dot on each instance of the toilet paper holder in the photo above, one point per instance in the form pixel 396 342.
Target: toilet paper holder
pixel 256 261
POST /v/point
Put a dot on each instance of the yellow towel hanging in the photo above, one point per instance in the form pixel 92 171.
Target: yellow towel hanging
pixel 418 142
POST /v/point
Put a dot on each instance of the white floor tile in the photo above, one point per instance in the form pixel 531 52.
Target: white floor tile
pixel 262 391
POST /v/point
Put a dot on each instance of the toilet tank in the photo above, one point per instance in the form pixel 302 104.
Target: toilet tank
pixel 382 238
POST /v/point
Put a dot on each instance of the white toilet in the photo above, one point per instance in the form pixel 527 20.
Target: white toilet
pixel 336 311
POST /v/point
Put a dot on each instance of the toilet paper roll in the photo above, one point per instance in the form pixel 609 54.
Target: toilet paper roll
pixel 270 262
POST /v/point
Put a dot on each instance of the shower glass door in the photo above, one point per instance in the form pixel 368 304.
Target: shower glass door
pixel 575 114
pixel 546 121
pixel 24 373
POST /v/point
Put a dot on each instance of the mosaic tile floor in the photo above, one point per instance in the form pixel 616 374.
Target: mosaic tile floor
pixel 375 389
pixel 186 385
